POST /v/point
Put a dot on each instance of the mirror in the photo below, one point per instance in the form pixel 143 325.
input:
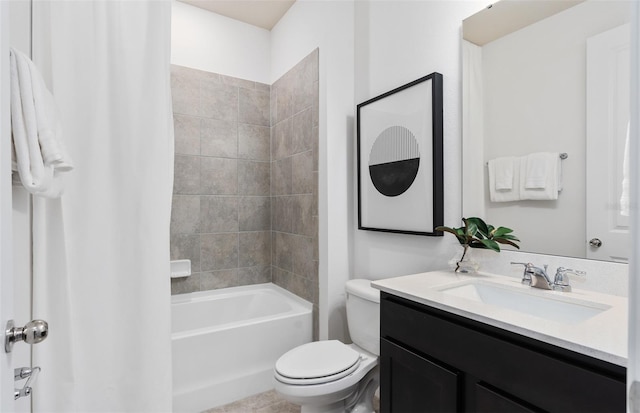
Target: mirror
pixel 550 76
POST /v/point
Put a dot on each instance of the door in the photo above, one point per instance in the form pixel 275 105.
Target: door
pixel 608 100
pixel 6 275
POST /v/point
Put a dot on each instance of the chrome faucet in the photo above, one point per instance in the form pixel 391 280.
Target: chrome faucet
pixel 537 277
pixel 561 280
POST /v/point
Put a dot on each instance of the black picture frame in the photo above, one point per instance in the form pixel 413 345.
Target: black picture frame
pixel 400 137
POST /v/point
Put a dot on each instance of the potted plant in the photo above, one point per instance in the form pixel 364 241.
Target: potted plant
pixel 475 233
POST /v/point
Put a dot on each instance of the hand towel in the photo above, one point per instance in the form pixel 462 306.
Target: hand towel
pixel 38 153
pixel 502 168
pixel 540 176
pixel 504 179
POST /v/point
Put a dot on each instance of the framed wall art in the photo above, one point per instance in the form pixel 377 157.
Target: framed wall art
pixel 400 168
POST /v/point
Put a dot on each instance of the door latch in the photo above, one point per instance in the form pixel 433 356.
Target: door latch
pixel 25 373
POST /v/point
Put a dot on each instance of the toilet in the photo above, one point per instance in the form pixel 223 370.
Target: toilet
pixel 330 376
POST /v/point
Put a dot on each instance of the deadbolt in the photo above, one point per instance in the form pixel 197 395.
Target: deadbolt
pixel 32 333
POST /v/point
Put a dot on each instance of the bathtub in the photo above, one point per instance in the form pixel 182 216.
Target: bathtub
pixel 225 342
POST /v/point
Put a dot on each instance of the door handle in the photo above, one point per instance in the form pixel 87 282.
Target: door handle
pixel 595 242
pixel 32 333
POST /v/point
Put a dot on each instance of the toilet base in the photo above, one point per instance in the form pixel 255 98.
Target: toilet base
pixel 360 401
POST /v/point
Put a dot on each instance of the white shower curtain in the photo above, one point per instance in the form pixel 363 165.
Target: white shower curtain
pixel 101 253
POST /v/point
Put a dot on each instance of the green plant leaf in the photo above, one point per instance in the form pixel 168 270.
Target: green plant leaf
pixel 479 224
pixel 476 233
pixel 507 242
pixel 500 231
pixel 491 244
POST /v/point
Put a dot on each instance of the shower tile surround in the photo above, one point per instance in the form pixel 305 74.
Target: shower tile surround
pixel 245 203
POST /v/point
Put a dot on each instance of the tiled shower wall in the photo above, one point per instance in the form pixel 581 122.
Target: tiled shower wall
pixel 294 180
pixel 221 207
pixel 245 204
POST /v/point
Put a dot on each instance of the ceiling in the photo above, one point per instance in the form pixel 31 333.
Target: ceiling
pixel 260 13
pixel 506 16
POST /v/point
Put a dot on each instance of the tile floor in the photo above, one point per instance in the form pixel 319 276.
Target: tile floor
pixel 269 402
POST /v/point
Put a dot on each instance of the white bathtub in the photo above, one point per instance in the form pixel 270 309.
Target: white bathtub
pixel 225 342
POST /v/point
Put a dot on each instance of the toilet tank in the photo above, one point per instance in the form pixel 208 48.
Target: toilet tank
pixel 363 315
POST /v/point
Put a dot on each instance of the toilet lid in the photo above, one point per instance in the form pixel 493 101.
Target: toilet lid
pixel 317 359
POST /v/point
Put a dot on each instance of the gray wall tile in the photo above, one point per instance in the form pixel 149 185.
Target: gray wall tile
pixel 255 249
pixel 219 101
pixel 281 182
pixel 302 173
pixel 254 213
pixel 282 250
pixel 282 213
pixel 254 178
pixel 186 247
pixel 301 214
pixel 284 99
pixel 302 131
pixel 219 251
pixel 213 280
pixel 186 175
pixel 185 90
pixel 219 214
pixel 254 275
pixel 302 256
pixel 237 82
pixel 219 138
pixel 185 214
pixel 185 284
pixel 218 176
pixel 254 107
pixel 254 142
pixel 281 140
pixel 187 134
pixel 263 87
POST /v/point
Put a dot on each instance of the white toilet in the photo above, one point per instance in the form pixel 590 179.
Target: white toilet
pixel 333 377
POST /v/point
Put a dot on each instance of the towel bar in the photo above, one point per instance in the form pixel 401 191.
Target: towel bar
pixel 563 156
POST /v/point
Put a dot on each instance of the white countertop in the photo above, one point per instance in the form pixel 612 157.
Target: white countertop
pixel 603 336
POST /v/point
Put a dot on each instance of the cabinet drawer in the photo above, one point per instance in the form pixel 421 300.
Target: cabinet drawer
pixel 549 381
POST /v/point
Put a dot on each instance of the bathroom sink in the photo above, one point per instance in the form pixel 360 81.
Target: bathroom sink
pixel 537 303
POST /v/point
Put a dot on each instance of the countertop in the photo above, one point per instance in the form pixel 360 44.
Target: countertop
pixel 603 336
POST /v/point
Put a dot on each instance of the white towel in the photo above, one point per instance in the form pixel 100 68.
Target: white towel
pixel 540 176
pixel 502 168
pixel 38 153
pixel 504 179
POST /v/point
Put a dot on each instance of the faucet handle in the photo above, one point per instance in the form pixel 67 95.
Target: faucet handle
pixel 561 280
pixel 526 264
pixel 526 275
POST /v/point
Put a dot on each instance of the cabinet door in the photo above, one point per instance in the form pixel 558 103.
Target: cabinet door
pixel 411 383
pixel 488 399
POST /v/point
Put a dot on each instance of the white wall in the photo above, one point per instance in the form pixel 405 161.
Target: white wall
pixel 327 25
pixel 398 42
pixel 538 61
pixel 214 43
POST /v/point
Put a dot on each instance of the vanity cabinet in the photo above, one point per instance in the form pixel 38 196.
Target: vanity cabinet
pixel 435 361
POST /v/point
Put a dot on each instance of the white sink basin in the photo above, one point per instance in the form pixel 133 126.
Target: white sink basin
pixel 537 303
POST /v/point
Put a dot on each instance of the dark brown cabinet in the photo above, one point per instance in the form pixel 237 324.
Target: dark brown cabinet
pixel 435 361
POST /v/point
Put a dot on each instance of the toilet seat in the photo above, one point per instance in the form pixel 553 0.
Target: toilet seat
pixel 316 363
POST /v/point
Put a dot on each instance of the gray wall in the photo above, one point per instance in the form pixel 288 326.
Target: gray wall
pixel 221 211
pixel 294 180
pixel 245 204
